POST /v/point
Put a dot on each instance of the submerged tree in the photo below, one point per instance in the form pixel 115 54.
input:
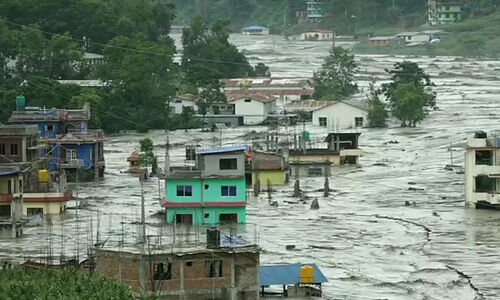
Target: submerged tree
pixel 377 113
pixel 261 70
pixel 409 94
pixel 335 78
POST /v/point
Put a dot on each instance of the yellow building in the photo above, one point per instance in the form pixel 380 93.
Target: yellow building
pixel 268 168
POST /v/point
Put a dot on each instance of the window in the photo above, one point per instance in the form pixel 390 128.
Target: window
pixel 13 149
pixel 189 263
pixel 213 268
pixel 484 157
pixel 2 149
pixel 184 191
pixel 484 184
pixel 206 215
pixel 228 164
pixel 358 121
pixel 33 211
pixel 50 128
pixel 322 122
pixel 447 15
pixel 228 218
pixel 186 219
pixel 163 271
pixel 248 100
pixel 228 190
pixel 315 171
pixel 177 101
pixel 409 38
pixel 70 154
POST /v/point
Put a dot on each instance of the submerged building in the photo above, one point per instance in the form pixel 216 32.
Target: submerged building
pixel 11 202
pixel 71 145
pixel 482 171
pixel 214 192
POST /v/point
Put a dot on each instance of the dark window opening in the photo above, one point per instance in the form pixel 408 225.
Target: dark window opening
pixel 184 191
pixel 213 268
pixel 228 218
pixel 206 186
pixel 163 271
pixel 186 219
pixel 248 100
pixel 33 211
pixel 13 149
pixel 2 149
pixel 228 190
pixel 206 215
pixel 4 210
pixel 189 263
pixel 50 127
pixel 484 157
pixel 358 122
pixel 322 122
pixel 228 164
pixel 315 171
pixel 485 184
pixel 447 15
pixel 350 160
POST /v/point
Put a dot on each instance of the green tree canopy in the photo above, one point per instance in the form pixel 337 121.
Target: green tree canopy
pixel 377 113
pixel 335 78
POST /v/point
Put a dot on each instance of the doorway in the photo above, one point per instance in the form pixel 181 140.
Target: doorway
pixel 228 218
pixel 186 219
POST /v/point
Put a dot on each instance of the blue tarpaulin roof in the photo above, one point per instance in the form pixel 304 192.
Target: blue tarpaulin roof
pixel 223 149
pixel 287 274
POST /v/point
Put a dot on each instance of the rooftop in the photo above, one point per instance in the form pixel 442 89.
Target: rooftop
pixel 409 33
pixel 221 150
pixel 268 82
pixel 287 274
pixel 37 114
pixel 260 97
pixel 86 83
pixel 17 129
pixel 306 105
pixel 342 136
pixel 255 27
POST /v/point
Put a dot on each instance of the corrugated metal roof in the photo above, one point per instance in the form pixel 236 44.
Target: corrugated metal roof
pixel 287 274
pixel 223 149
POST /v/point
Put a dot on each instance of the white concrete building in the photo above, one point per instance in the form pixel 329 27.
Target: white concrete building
pixel 482 171
pixel 255 108
pixel 185 100
pixel 340 115
pixel 317 35
pixel 414 37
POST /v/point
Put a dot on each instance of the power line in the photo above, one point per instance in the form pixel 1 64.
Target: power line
pixel 117 47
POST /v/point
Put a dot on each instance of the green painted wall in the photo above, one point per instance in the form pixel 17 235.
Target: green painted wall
pixel 210 194
pixel 213 214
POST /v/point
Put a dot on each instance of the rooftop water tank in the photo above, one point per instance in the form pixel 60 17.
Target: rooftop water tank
pixel 307 274
pixel 20 103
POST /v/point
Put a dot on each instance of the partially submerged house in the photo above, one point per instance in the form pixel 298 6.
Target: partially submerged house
pixel 341 115
pixel 268 168
pixel 71 145
pixel 317 35
pixel 178 103
pixel 296 280
pixel 205 271
pixel 11 202
pixel 385 41
pixel 414 37
pixel 482 171
pixel 254 107
pixel 45 192
pixel 214 192
pixel 341 149
pixel 255 30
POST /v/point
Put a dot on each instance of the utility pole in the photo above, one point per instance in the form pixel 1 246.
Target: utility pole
pixel 143 210
pixel 167 155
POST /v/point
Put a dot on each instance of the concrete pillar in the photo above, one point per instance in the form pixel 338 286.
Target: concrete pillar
pixel 96 160
pixel 24 150
pixel 234 291
pixel 182 292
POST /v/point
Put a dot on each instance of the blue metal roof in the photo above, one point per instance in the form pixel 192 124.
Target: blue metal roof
pixel 223 149
pixel 287 274
pixel 255 27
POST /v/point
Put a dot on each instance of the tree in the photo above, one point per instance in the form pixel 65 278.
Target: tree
pixel 261 70
pixel 147 156
pixel 377 113
pixel 409 93
pixel 335 79
pixel 209 56
pixel 186 117
pixel 210 95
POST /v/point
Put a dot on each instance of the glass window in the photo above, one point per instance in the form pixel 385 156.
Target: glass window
pixel 228 190
pixel 248 100
pixel 484 157
pixel 322 122
pixel 184 191
pixel 358 122
pixel 2 149
pixel 213 268
pixel 163 271
pixel 70 154
pixel 228 164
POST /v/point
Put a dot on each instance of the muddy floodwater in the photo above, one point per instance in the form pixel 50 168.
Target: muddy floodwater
pixel 366 241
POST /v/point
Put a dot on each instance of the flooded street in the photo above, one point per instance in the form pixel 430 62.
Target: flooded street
pixel 363 237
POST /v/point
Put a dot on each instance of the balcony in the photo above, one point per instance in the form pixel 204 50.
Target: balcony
pixel 72 164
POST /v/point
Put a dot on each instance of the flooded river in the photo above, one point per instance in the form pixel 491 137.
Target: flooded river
pixel 366 241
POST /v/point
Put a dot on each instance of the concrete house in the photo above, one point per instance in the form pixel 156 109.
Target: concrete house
pixel 482 171
pixel 255 30
pixel 213 193
pixel 268 168
pixel 254 107
pixel 384 41
pixel 71 145
pixel 212 271
pixel 185 100
pixel 317 35
pixel 44 192
pixel 340 115
pixel 11 202
pixel 414 37
pixel 442 12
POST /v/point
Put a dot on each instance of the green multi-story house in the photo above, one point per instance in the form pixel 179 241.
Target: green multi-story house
pixel 213 193
pixel 444 11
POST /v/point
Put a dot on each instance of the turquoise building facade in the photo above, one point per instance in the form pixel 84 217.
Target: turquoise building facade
pixel 214 193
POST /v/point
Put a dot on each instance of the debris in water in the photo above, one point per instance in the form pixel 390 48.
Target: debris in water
pixel 315 204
